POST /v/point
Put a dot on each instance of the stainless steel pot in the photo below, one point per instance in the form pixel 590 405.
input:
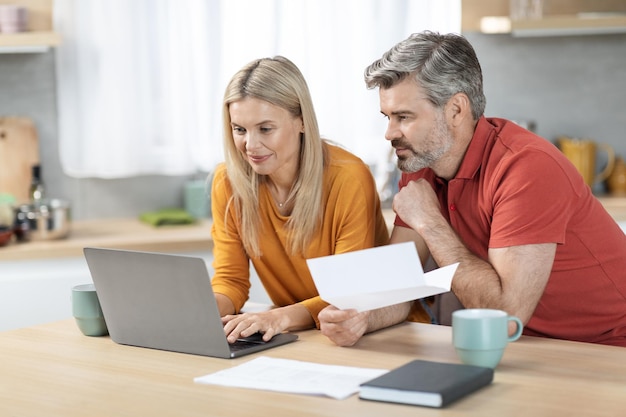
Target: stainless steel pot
pixel 46 220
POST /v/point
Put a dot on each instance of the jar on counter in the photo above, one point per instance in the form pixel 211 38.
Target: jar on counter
pixel 21 228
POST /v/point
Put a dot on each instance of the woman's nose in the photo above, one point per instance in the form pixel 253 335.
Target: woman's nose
pixel 252 142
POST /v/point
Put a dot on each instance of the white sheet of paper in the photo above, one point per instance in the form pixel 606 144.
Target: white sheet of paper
pixel 296 377
pixel 378 277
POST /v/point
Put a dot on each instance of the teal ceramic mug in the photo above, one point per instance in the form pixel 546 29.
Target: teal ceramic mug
pixel 481 335
pixel 87 311
pixel 197 198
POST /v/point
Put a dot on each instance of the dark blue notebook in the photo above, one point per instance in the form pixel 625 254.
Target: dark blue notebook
pixel 426 383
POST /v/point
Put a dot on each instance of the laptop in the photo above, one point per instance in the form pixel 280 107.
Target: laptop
pixel 165 302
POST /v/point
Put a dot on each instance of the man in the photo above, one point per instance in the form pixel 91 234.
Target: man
pixel 530 237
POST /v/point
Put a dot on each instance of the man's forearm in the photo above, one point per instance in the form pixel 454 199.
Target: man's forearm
pixel 387 316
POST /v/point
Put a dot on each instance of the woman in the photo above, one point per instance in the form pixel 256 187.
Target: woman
pixel 282 196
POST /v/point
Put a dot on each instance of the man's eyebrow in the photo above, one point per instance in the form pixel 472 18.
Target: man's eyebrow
pixel 398 113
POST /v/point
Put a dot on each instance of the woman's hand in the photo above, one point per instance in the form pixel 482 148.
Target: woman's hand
pixel 270 323
pixel 344 327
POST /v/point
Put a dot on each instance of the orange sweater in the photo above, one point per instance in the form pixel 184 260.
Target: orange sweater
pixel 352 220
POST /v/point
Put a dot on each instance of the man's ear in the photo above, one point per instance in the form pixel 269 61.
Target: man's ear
pixel 458 109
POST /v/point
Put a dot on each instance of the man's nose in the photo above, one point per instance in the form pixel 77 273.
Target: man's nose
pixel 392 132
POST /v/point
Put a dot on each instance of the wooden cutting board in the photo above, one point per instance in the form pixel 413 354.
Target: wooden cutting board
pixel 19 151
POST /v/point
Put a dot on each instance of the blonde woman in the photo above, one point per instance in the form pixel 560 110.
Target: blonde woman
pixel 283 195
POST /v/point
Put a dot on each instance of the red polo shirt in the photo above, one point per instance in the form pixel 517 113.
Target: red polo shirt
pixel 515 188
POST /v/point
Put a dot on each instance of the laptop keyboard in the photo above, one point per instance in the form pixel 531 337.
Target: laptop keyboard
pixel 246 342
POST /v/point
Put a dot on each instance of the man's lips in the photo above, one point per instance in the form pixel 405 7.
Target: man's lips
pixel 400 147
pixel 401 150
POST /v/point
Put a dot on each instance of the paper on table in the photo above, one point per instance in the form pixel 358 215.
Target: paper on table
pixel 378 277
pixel 296 377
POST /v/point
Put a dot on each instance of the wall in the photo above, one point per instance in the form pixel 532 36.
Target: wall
pixel 573 86
pixel 567 85
pixel 28 88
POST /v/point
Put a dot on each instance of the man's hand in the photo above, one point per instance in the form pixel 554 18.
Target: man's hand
pixel 417 205
pixel 344 327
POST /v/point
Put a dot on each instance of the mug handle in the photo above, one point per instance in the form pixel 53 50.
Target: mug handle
pixel 520 328
pixel 608 169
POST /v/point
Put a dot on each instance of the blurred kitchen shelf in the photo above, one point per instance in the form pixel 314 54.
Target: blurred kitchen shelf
pixel 565 25
pixel 28 42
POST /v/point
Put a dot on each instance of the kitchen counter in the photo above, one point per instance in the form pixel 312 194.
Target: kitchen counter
pixel 616 206
pixel 115 233
pixel 122 234
pixel 135 235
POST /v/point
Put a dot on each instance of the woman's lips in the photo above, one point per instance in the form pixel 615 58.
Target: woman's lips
pixel 258 159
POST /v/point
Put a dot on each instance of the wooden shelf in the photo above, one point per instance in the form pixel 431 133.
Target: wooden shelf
pixel 40 35
pixel 565 25
pixel 28 42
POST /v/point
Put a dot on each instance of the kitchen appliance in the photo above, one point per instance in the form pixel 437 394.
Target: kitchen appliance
pixel 46 220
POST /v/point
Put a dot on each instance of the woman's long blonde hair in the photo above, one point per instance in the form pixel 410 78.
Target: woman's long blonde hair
pixel 278 81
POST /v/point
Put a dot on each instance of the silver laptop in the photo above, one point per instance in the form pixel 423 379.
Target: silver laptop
pixel 165 302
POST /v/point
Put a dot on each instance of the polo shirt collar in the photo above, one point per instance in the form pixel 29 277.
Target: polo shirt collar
pixel 475 151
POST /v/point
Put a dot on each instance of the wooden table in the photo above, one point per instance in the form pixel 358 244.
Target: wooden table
pixel 53 370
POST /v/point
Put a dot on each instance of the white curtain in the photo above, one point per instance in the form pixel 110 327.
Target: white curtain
pixel 140 82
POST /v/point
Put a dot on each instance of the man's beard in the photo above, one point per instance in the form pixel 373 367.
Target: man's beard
pixel 439 135
pixel 414 162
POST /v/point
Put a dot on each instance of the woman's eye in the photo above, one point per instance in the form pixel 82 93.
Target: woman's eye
pixel 239 130
pixel 266 129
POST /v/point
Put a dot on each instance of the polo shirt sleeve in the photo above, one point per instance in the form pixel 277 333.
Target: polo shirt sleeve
pixel 534 196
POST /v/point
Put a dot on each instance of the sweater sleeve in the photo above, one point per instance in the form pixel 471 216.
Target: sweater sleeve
pixel 230 261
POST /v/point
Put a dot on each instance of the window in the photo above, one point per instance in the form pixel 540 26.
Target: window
pixel 140 82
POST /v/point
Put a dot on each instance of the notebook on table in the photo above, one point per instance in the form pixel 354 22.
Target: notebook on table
pixel 427 383
pixel 166 302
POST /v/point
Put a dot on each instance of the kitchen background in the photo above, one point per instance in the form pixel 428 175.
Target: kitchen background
pixel 571 85
pixel 565 85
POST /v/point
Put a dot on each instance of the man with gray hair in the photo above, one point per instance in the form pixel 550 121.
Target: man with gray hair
pixel 530 237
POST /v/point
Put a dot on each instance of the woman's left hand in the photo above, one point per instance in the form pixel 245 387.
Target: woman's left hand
pixel 344 327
